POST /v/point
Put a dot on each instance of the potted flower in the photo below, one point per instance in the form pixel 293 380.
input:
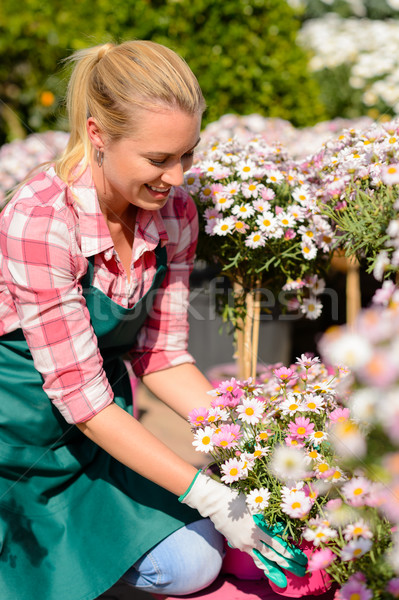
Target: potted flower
pixel 260 223
pixel 275 443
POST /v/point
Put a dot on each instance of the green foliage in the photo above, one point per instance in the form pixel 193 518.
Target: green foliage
pixel 371 9
pixel 361 226
pixel 242 51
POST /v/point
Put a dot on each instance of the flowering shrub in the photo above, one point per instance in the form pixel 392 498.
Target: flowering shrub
pixel 274 441
pixel 259 222
pixel 358 185
pixel 18 158
pixel 355 61
pixel 371 347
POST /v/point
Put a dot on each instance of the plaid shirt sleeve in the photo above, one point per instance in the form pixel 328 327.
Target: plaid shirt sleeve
pixel 41 268
pixel 163 340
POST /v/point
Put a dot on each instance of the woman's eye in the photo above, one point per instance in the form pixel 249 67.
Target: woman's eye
pixel 157 163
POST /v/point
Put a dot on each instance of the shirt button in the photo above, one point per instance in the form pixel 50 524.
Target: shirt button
pixel 124 302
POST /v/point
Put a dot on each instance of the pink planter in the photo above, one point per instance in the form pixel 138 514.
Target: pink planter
pixel 240 564
pixel 313 584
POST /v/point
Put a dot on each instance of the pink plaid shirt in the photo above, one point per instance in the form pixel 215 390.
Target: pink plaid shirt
pixel 46 232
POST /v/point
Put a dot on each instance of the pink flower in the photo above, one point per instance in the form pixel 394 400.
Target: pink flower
pixel 393 587
pixel 292 441
pixel 227 436
pixel 198 417
pixel 356 490
pixel 301 428
pixel 339 415
pixel 284 374
pixel 305 361
pixel 289 234
pixel 321 559
pixel 354 588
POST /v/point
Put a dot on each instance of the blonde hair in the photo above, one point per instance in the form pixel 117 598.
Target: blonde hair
pixel 110 81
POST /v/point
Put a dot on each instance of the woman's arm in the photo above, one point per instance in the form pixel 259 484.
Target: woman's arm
pixel 182 388
pixel 122 436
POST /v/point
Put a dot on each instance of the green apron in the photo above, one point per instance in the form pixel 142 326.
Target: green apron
pixel 73 519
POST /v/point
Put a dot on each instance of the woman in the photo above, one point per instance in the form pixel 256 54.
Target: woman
pixel 96 252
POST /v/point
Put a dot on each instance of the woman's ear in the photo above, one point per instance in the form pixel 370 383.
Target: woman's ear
pixel 95 134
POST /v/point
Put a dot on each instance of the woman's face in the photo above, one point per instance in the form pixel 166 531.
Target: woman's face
pixel 142 169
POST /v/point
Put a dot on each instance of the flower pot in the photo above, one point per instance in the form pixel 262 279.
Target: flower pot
pixel 313 584
pixel 240 564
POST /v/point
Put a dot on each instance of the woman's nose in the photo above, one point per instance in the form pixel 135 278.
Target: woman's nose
pixel 174 175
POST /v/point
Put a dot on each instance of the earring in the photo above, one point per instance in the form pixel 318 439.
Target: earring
pixel 100 157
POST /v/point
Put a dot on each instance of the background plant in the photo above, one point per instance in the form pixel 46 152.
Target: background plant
pixel 244 53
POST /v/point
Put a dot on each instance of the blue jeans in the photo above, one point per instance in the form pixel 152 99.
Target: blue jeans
pixel 183 563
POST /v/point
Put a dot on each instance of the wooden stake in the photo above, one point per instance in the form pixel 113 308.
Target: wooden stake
pixel 255 332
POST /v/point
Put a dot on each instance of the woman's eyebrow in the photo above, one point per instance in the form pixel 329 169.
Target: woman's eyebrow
pixel 168 154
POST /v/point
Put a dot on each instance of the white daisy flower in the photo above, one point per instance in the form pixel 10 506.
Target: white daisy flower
pixel 258 499
pixel 222 201
pixel 223 226
pixel 309 250
pixel 233 470
pixel 317 437
pixel 243 211
pixel 246 169
pixel 251 189
pixel 232 188
pixel 311 307
pixel 358 529
pixel 267 221
pixel 291 404
pixel 355 549
pixel 250 411
pixel 255 240
pixel 285 219
pixel 203 439
pixel 313 403
pixel 319 535
pixel 296 505
pixel 274 176
pixel 288 463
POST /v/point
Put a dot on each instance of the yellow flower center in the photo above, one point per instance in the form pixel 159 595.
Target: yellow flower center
pixel 313 454
pixel 258 499
pixel 207 192
pixel 301 430
pixel 392 170
pixel 319 535
pixel 318 434
pixel 266 222
pixel 357 552
pixel 355 596
pixel 296 505
pixel 252 187
pixel 224 443
pixel 206 440
pixel 239 225
pixel 358 491
pixel 249 410
pixel 337 474
pixel 293 406
pixel 323 467
pixel 246 169
pixel 263 435
pixel 357 530
pixel 257 453
pixel 311 405
pixel 190 180
pixel 233 471
pixel 256 237
pixel 224 227
pixel 200 418
pixel 243 209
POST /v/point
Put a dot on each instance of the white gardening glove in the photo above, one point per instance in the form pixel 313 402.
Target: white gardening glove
pixel 229 512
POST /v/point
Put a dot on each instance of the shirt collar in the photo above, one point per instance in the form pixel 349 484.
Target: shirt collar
pixel 95 235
